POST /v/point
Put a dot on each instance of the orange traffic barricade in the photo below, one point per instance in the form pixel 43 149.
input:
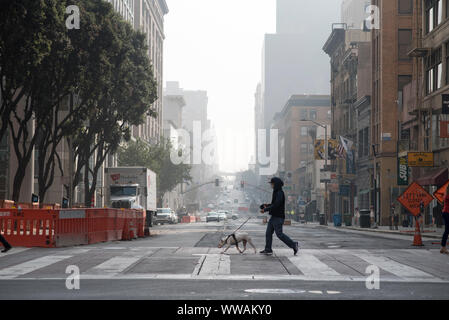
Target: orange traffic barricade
pixel 28 227
pixel 71 228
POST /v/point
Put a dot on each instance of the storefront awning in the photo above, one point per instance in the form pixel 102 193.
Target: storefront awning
pixel 437 177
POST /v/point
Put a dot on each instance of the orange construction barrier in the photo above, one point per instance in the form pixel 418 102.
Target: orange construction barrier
pixel 28 227
pixel 417 240
pixel 69 227
pixel 188 219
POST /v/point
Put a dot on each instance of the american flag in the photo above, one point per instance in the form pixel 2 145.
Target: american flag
pixel 341 151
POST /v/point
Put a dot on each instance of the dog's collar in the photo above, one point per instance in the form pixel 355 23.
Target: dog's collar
pixel 233 236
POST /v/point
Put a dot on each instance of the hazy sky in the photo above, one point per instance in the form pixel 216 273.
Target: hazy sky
pixel 216 45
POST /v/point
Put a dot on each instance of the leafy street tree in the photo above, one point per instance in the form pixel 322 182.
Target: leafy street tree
pixel 120 99
pixel 89 86
pixel 157 158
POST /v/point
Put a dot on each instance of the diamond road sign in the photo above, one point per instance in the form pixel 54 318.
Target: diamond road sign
pixel 439 194
pixel 412 198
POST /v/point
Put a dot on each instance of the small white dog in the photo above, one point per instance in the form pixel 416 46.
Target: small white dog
pixel 235 239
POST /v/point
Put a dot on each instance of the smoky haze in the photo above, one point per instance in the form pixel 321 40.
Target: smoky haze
pixel 220 46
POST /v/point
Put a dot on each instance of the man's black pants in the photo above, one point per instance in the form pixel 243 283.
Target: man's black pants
pixel 4 242
pixel 275 225
pixel 446 229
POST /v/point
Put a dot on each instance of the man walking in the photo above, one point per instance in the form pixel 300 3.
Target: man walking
pixel 5 244
pixel 277 211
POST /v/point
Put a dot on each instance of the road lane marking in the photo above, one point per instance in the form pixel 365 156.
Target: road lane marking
pixel 14 251
pixel 114 266
pixel 249 278
pixel 30 266
pixel 213 264
pixel 398 269
pixel 311 266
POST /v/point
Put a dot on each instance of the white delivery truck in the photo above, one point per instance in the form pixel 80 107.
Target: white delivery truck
pixel 132 188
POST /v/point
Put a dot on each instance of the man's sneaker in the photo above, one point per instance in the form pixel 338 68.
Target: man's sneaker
pixel 6 249
pixel 296 248
pixel 267 253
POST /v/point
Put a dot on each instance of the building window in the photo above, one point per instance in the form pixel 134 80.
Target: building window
pixel 303 114
pixel 405 6
pixel 304 148
pixel 404 43
pixel 304 131
pixel 434 70
pixel 434 14
pixel 403 80
pixel 313 115
pixel 447 62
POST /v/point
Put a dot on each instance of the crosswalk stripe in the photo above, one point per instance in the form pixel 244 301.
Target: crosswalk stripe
pixel 311 266
pixel 14 251
pixel 114 265
pixel 398 269
pixel 215 264
pixel 30 266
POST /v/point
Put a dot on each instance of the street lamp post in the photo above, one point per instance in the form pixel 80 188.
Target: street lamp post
pixel 326 159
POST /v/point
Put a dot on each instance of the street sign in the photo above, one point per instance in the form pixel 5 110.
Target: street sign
pixel 412 198
pixel 445 103
pixel 420 159
pixel 439 194
pixel 403 171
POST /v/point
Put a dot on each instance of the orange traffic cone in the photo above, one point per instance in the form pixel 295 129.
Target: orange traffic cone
pixel 417 241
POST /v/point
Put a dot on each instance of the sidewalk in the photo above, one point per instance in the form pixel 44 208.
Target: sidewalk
pixel 430 232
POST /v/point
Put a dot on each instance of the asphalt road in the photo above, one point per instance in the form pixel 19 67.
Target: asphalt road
pixel 183 262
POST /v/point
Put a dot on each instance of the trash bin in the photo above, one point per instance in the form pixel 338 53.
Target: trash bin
pixel 348 220
pixel 337 220
pixel 322 219
pixel 365 219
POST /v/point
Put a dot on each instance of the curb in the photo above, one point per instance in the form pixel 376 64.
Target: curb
pixel 425 235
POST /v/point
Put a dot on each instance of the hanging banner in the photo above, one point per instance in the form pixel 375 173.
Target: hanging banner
pixel 332 149
pixel 403 171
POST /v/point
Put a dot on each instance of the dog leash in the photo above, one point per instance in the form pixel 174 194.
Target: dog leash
pixel 241 226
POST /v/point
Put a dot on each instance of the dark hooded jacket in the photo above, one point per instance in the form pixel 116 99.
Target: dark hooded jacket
pixel 277 206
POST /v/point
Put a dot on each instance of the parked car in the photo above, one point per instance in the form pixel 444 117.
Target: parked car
pixel 164 215
pixel 227 213
pixel 212 216
pixel 222 216
pixel 175 218
pixel 235 216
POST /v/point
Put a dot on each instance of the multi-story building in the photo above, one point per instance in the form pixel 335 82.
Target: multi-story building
pixel 392 70
pixel 297 135
pixel 125 8
pixel 350 53
pixel 149 18
pixel 423 120
pixel 292 60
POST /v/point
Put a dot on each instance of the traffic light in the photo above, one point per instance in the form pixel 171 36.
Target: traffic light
pixel 217 182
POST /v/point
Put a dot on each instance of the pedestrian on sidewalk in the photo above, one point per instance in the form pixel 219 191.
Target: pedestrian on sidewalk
pixel 6 245
pixel 277 211
pixel 446 223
